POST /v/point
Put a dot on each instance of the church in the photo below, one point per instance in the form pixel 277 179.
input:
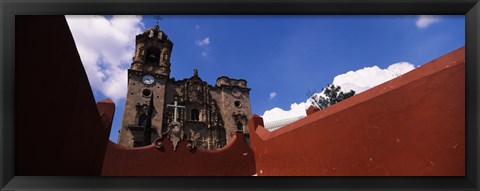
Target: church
pixel 158 106
pixel 388 130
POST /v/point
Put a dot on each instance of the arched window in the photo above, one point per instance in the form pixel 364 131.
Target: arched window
pixel 239 126
pixel 142 120
pixel 194 115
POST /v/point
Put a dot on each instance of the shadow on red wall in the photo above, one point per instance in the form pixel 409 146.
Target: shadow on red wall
pixel 412 125
pixel 59 131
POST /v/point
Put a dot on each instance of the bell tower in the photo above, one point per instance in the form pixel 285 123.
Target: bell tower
pixel 147 79
pixel 152 52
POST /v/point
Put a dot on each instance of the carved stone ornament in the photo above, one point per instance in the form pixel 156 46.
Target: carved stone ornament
pixel 158 143
pixel 176 134
pixel 196 93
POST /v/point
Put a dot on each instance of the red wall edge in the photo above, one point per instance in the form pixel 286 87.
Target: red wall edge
pixel 413 125
pixel 235 159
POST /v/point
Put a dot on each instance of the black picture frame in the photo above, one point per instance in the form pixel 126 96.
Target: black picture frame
pixel 8 10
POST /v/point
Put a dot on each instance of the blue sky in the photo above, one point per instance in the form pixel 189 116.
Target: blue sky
pixel 281 57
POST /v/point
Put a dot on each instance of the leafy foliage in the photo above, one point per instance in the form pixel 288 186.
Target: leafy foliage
pixel 332 95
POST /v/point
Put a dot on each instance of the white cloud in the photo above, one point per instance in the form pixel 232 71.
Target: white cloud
pixel 423 21
pixel 106 48
pixel 358 81
pixel 272 95
pixel 296 110
pixel 203 42
pixel 368 77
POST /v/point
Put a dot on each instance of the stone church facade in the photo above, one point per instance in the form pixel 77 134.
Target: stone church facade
pixel 158 106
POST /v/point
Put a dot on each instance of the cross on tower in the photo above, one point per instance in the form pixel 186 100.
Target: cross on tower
pixel 175 105
pixel 157 18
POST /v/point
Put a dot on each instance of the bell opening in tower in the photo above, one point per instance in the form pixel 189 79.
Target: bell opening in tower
pixel 153 55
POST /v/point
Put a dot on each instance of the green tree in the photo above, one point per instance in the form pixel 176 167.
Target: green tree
pixel 332 95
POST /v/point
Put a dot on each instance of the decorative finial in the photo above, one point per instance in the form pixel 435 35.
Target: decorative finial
pixel 195 72
pixel 156 23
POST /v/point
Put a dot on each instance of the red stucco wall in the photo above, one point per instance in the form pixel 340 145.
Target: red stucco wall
pixel 235 159
pixel 411 125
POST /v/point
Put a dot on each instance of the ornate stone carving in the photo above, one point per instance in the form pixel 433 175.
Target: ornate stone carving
pixel 196 93
pixel 175 134
pixel 215 115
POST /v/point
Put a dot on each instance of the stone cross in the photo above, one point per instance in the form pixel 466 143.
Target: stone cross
pixel 175 105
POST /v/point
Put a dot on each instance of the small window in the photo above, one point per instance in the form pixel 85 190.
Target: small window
pixel 146 92
pixel 239 126
pixel 237 104
pixel 142 120
pixel 195 115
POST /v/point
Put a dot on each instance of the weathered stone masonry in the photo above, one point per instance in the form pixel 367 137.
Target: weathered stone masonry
pixel 208 115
